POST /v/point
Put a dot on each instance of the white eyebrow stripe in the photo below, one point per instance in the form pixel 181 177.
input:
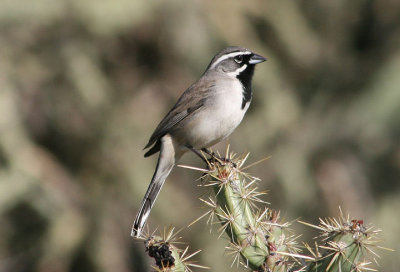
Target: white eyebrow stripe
pixel 230 55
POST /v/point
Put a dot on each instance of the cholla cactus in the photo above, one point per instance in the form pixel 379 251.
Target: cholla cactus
pixel 258 238
pixel 256 234
pixel 262 241
pixel 347 244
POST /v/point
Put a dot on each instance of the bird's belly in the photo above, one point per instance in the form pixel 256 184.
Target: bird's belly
pixel 214 123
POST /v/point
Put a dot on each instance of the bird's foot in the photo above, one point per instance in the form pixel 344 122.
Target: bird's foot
pixel 215 158
pixel 229 161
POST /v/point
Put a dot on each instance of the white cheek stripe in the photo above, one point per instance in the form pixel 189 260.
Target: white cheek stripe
pixel 237 71
pixel 231 55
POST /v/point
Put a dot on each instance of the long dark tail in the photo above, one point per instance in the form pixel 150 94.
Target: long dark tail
pixel 166 162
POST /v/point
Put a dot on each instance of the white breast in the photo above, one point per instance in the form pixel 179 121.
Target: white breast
pixel 219 117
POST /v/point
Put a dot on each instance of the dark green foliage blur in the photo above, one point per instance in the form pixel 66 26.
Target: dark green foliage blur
pixel 84 83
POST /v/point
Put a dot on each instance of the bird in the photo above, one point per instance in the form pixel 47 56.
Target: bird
pixel 206 113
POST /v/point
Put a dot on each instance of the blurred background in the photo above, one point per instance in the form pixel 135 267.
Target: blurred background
pixel 83 84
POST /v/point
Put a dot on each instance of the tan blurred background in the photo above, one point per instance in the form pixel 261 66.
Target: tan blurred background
pixel 84 83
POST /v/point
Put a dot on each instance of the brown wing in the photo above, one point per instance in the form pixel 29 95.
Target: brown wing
pixel 190 101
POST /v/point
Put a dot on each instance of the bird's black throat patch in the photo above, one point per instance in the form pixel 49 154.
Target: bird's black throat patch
pixel 245 78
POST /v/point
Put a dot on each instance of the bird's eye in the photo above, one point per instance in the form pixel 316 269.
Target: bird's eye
pixel 238 59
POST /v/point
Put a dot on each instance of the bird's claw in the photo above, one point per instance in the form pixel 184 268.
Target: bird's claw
pixel 215 158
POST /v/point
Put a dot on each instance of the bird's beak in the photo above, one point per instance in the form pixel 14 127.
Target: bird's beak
pixel 254 59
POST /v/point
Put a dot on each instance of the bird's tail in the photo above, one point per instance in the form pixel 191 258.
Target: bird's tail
pixel 166 162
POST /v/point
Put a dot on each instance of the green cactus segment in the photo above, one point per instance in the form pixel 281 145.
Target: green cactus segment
pixel 276 243
pixel 344 248
pixel 237 217
pixel 179 265
pixel 341 255
pixel 255 233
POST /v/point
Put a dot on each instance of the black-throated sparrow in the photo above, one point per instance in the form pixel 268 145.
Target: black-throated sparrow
pixel 207 112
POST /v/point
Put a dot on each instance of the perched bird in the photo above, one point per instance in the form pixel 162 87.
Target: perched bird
pixel 206 113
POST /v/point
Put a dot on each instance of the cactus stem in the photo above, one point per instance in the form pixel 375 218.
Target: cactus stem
pixel 346 245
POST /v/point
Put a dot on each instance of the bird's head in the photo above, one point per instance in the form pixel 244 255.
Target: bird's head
pixel 235 61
